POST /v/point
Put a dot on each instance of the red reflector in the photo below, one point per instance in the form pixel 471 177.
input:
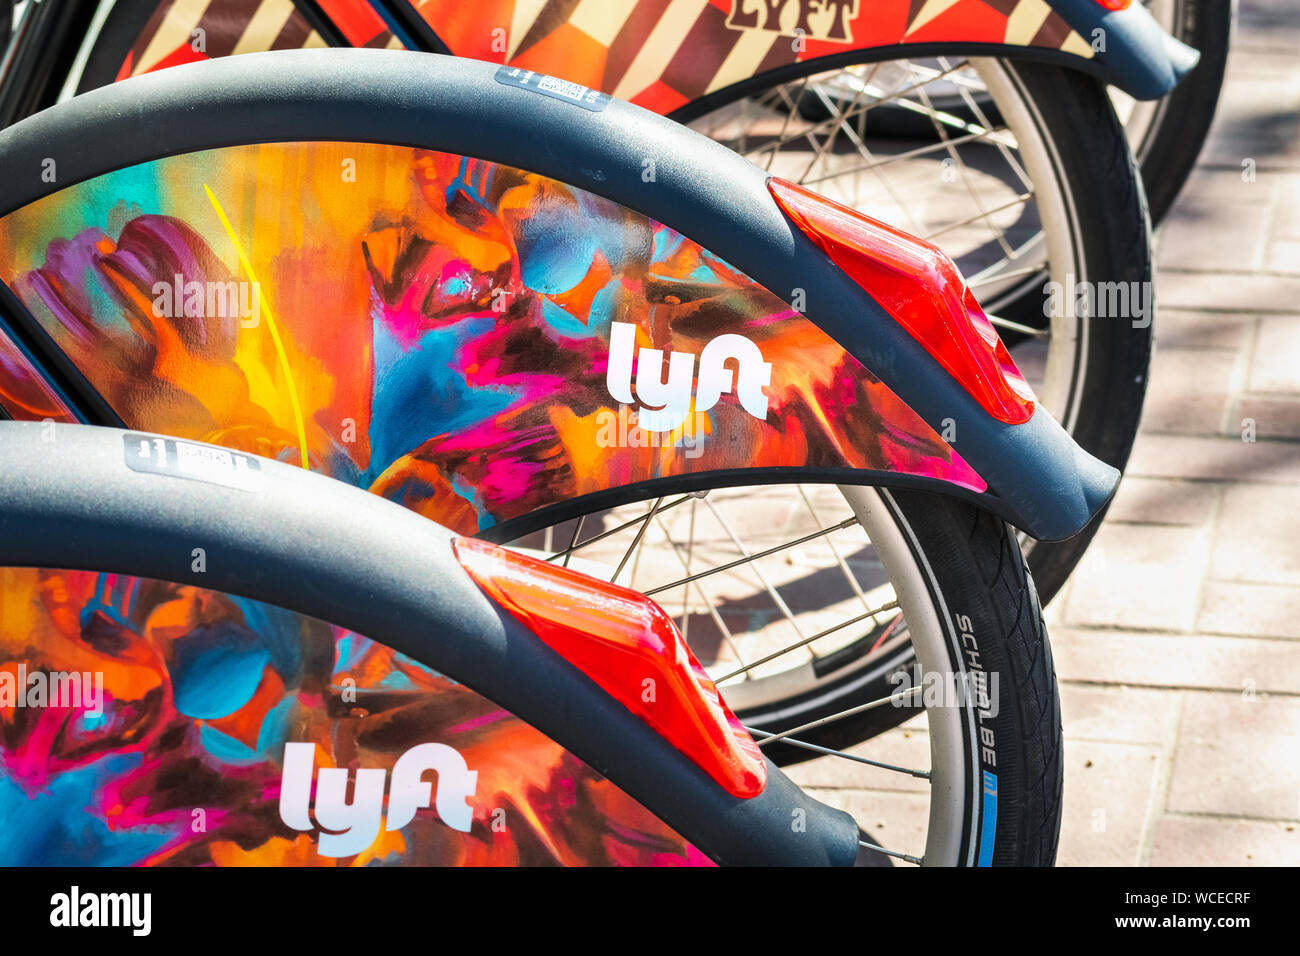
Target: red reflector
pixel 630 647
pixel 921 288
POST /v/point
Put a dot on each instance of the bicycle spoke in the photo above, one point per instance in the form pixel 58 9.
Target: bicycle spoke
pixel 758 573
pixel 848 572
pixel 1017 327
pixel 613 531
pixel 636 542
pixel 690 551
pixel 727 637
pixel 808 640
pixel 846 523
pixel 573 542
pixel 804 745
pixel 861 708
pixel 917 153
pixel 894 853
pixel 1019 200
pixel 964 173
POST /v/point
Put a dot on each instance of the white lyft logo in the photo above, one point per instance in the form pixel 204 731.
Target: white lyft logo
pixel 349 828
pixel 668 402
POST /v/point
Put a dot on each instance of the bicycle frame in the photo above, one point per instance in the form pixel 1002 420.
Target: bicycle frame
pixel 126 503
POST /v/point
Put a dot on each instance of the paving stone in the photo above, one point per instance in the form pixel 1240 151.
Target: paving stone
pixel 1142 576
pixel 1108 789
pixel 1256 536
pixel 1257 610
pixel 908 747
pixel 1228 291
pixel 1282 255
pixel 1229 235
pixel 1197 841
pixel 1162 501
pixel 1138 659
pixel 1237 756
pixel 1180 328
pixel 898 821
pixel 1258 119
pixel 1118 714
pixel 1274 367
pixel 1218 459
pixel 1189 390
pixel 1273 417
pixel 1216 184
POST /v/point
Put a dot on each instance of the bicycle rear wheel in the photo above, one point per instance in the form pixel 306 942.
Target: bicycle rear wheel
pixel 975 776
pixel 1046 173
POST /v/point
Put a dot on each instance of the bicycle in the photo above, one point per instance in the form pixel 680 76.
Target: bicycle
pixel 196 675
pixel 1100 405
pixel 696 253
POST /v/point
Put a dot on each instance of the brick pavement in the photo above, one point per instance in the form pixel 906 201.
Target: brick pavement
pixel 1177 642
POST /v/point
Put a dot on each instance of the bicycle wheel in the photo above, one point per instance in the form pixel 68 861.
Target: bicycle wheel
pixel 475 415
pixel 1167 134
pixel 442 664
pixel 1050 176
pixel 999 159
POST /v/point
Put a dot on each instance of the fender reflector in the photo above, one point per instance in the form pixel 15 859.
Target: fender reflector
pixel 630 647
pixel 917 284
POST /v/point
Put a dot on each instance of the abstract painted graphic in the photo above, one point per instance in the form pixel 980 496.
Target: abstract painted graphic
pixel 143 722
pixel 25 395
pixel 436 329
pixel 662 55
pixel 659 54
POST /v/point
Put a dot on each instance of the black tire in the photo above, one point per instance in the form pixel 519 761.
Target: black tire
pixel 1168 149
pixel 982 590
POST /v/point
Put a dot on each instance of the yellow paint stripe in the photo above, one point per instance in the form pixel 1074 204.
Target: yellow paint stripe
pixel 1024 21
pixel 270 324
pixel 1077 45
pixel 525 14
pixel 601 19
pixel 264 26
pixel 177 28
pixel 928 12
pixel 657 51
pixel 743 60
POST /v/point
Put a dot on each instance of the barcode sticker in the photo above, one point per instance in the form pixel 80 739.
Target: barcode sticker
pixel 554 87
pixel 153 455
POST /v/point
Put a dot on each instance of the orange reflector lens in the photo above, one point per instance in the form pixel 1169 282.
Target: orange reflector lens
pixel 630 647
pixel 920 287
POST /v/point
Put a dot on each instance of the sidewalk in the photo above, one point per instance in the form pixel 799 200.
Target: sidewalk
pixel 1177 642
